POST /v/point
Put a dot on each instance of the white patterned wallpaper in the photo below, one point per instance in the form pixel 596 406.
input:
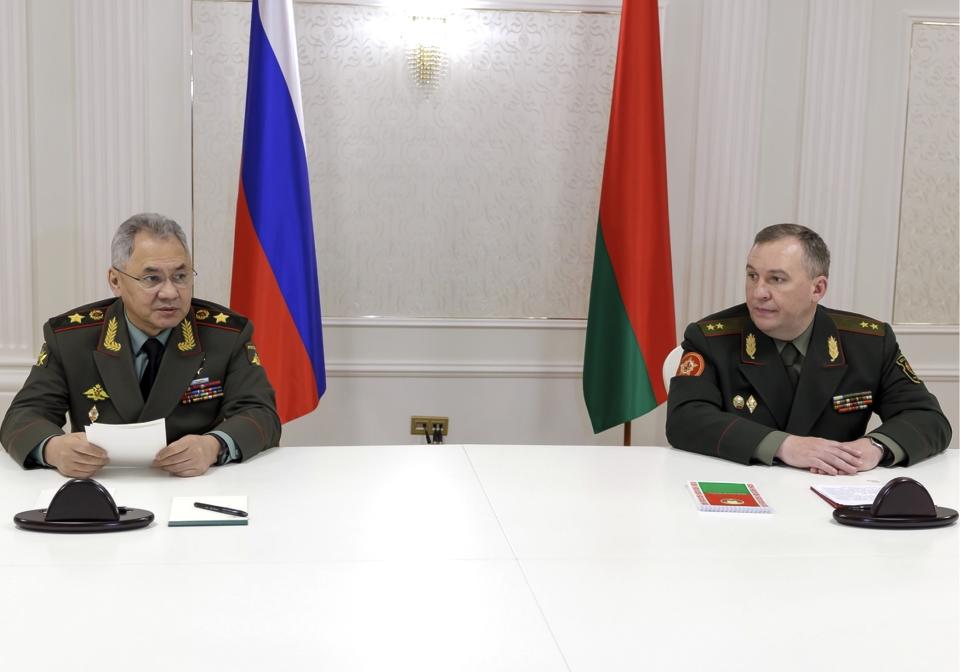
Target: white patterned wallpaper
pixel 477 200
pixel 927 263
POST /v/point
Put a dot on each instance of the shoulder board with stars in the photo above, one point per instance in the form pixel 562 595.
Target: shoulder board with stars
pixel 721 326
pixel 858 324
pixel 212 315
pixel 90 315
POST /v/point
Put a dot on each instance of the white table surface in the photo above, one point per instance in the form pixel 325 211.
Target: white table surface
pixel 481 558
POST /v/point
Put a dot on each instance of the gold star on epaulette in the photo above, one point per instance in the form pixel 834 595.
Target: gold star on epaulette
pixel 221 318
pixel 76 318
pixel 710 327
pixel 719 326
pixel 864 325
pixel 874 326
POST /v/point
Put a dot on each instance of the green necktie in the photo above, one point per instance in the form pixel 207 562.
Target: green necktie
pixel 792 360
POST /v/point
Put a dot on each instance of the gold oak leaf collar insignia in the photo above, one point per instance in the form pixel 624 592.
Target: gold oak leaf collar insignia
pixel 833 348
pixel 187 341
pixel 110 338
pixel 751 346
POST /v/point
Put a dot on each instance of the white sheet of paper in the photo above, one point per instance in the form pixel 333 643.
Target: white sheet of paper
pixel 132 445
pixel 849 495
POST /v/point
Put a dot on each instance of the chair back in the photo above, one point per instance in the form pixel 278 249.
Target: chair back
pixel 670 365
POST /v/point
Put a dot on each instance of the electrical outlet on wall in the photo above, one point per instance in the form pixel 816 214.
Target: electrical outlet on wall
pixel 421 424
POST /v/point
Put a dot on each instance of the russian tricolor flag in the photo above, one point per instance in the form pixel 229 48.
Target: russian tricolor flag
pixel 274 260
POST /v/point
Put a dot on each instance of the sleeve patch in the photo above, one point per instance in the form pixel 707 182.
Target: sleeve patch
pixel 907 369
pixel 691 365
pixel 43 357
pixel 252 355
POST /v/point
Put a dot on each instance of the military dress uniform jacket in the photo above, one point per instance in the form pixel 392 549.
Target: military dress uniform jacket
pixel 732 389
pixel 210 378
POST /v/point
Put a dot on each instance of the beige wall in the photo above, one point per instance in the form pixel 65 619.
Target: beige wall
pixel 775 112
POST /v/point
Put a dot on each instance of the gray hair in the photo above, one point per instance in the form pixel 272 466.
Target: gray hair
pixel 816 256
pixel 156 225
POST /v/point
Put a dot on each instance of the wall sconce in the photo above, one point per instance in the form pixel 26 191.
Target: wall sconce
pixel 426 57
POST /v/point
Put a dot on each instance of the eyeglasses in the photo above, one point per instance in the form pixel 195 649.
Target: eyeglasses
pixel 151 281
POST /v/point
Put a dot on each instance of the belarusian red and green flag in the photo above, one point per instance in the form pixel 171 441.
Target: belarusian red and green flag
pixel 630 325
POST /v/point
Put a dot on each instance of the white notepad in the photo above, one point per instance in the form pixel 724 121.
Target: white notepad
pixel 183 513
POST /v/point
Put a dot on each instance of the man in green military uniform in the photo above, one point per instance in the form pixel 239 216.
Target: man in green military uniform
pixel 781 378
pixel 152 351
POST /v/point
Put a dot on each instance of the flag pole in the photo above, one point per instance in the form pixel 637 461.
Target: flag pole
pixel 626 433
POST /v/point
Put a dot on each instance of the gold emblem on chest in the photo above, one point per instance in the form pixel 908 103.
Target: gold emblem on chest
pixel 96 393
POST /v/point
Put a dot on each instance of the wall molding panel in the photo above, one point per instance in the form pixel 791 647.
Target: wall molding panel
pixel 834 113
pixel 427 369
pixel 727 154
pixel 110 38
pixel 926 285
pixel 16 253
pixel 454 348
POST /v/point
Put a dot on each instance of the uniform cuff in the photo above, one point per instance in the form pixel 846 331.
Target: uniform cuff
pixel 768 446
pixel 898 453
pixel 36 455
pixel 231 445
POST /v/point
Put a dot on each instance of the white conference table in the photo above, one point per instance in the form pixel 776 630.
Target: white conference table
pixel 587 558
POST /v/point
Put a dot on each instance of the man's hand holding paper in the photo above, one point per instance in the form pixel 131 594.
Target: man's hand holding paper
pixel 73 455
pixel 190 455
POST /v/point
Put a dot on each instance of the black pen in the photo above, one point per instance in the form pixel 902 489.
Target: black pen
pixel 221 509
